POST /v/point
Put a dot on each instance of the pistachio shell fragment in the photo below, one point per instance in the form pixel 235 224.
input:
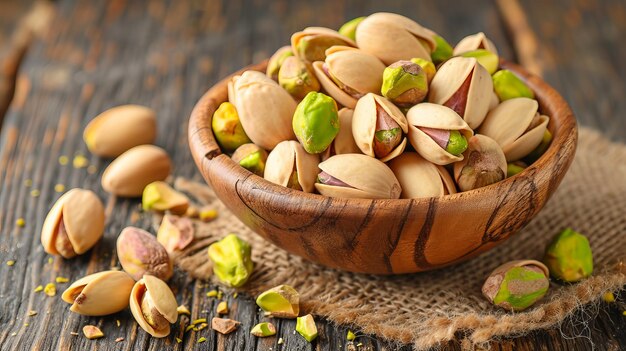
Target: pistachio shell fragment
pixel 276 61
pixel 120 128
pixel 486 58
pixel 282 301
pixel 475 42
pixel 405 83
pixel 263 330
pixel 517 285
pixel 251 157
pixel 74 224
pixel 263 106
pixel 227 127
pixel 305 326
pixel 348 29
pixel 315 122
pixel 160 196
pixel 357 176
pixel 129 174
pixel 224 325
pixel 297 77
pixel 175 233
pixel 140 253
pixel 420 178
pixel 443 50
pixel 310 44
pixel 232 262
pixel 427 66
pixel 344 141
pixel 509 86
pixel 569 256
pixel 484 164
pixel 289 165
pixel 99 294
pixel 154 306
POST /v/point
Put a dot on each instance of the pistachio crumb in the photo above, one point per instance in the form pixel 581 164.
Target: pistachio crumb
pixel 28 183
pixel 32 313
pixel 623 313
pixel 120 339
pixel 91 169
pixel 92 332
pixel 179 340
pixel 280 341
pixel 59 188
pixel 201 340
pixel 235 295
pixel 10 262
pixel 26 324
pixel 189 327
pixel 74 333
pixel 219 295
pixel 208 214
pixel 222 307
pixel 35 193
pixel 212 293
pixel 198 321
pixel 61 280
pixel 63 160
pixel 38 288
pixel 117 321
pixel 201 326
pixel 608 297
pixel 182 309
pixel 50 260
pixel 20 222
pixel 350 335
pixel 50 289
pixel 80 161
pixel 359 344
pixel 14 334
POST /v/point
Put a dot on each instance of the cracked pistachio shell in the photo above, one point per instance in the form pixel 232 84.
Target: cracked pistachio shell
pixel 265 109
pixel 364 124
pixel 366 177
pixel 569 256
pixel 120 128
pixel 392 37
pixel 517 285
pixel 434 116
pixel 420 178
pixel 287 157
pixel 141 253
pixel 160 196
pixel 153 305
pixel 315 122
pixel 311 43
pixel 297 77
pixel 251 157
pixel 344 141
pixel 486 58
pixel 353 71
pixel 227 128
pixel 81 214
pixel 277 59
pixel 516 126
pixel 175 233
pixel 129 174
pixel 465 86
pixel 99 294
pixel 349 28
pixel 483 164
pixel 474 42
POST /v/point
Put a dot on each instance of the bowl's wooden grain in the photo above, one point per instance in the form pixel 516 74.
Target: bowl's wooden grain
pixel 386 236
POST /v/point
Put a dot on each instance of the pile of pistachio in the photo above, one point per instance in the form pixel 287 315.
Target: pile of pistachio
pixel 382 108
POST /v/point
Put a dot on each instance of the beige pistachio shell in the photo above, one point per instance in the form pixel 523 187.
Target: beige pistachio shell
pixel 368 177
pixel 162 299
pixel 129 174
pixel 450 78
pixel 100 293
pixel 475 42
pixel 438 117
pixel 487 159
pixel 364 124
pixel 344 141
pixel 296 37
pixel 392 37
pixel 265 109
pixel 120 128
pixel 420 178
pixel 282 160
pixel 82 214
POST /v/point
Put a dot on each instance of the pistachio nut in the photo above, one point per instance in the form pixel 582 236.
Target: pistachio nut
pixel 160 196
pixel 515 168
pixel 541 149
pixel 517 285
pixel 92 332
pixel 438 133
pixel 224 325
pixel 508 86
pixel 129 174
pixel 296 76
pixel 100 293
pixel 344 141
pixel 251 157
pixel 175 233
pixel 263 330
pixel 379 127
pixel 475 42
pixel 232 262
pixel 227 127
pixel 277 59
pixel 310 44
pixel 349 73
pixel 569 256
pixel 427 66
pixel 222 307
pixel 348 29
pixel 265 109
pixel 392 37
pixel 140 253
pixel 357 176
pixel 282 301
pixel 153 305
pixel 120 128
pixel 484 163
pixel 404 83
pixel 305 326
pixel 291 166
pixel 74 224
pixel 486 58
pixel 315 122
pixel 465 86
pixel 516 125
pixel 420 178
pixel 443 50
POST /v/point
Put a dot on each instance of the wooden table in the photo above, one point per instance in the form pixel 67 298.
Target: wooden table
pixel 97 54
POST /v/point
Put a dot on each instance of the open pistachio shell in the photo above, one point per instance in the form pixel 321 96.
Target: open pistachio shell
pixel 433 116
pixel 420 178
pixel 344 141
pixel 78 216
pixel 364 177
pixel 311 43
pixel 296 76
pixel 365 120
pixel 465 86
pixel 516 126
pixel 475 42
pixel 484 163
pixel 265 109
pixel 276 61
pixel 289 157
pixel 100 293
pixel 153 305
pixel 347 70
pixel 392 37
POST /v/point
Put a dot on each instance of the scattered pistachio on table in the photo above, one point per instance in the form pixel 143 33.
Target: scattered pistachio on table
pixel 153 305
pixel 517 285
pixel 232 262
pixel 282 301
pixel 92 332
pixel 140 253
pixel 100 293
pixel 175 233
pixel 224 325
pixel 306 327
pixel 263 330
pixel 160 196
pixel 569 256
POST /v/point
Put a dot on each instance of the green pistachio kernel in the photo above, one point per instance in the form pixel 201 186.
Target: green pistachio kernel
pixel 427 66
pixel 508 86
pixel 305 325
pixel 232 262
pixel 350 336
pixel 263 330
pixel 297 78
pixel 569 256
pixel 404 83
pixel 282 301
pixel 251 157
pixel 349 28
pixel 227 128
pixel 457 144
pixel 443 50
pixel 316 122
pixel 486 58
pixel 520 299
pixel 514 168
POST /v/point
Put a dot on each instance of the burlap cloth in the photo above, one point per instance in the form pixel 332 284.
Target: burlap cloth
pixel 428 308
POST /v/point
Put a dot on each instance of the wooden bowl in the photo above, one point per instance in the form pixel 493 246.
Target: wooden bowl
pixel 386 236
